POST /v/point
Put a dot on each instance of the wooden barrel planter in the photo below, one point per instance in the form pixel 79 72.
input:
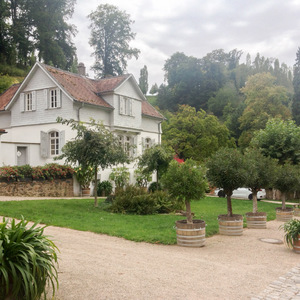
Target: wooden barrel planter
pixel 232 226
pixel 85 192
pixel 296 245
pixel 256 220
pixel 284 215
pixel 190 235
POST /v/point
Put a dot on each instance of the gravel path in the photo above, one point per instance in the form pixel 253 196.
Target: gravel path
pixel 96 266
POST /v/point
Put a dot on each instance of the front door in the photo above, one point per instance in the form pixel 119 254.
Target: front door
pixel 21 156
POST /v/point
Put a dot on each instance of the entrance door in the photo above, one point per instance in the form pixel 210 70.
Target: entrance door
pixel 21 156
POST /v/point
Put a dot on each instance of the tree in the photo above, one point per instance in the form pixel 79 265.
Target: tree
pixel 296 84
pixel 154 89
pixel 195 135
pixel 225 169
pixel 37 27
pixel 264 100
pixel 156 158
pixel 94 146
pixel 260 172
pixel 143 80
pixel 110 37
pixel 186 182
pixel 279 140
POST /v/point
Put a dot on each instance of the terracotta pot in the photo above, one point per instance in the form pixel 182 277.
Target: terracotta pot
pixel 296 245
pixel 232 226
pixel 190 235
pixel 256 220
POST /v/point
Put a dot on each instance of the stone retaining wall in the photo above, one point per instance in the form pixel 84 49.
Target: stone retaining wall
pixel 44 188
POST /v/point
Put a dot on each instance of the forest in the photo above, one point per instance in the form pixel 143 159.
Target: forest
pixel 211 101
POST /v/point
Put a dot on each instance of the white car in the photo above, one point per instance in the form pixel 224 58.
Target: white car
pixel 242 193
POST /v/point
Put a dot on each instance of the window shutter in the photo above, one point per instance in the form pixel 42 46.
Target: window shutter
pixel 46 98
pixel 134 145
pixel 130 107
pixel 22 102
pixel 143 143
pixel 121 105
pixel 34 100
pixel 44 144
pixel 61 140
pixel 58 97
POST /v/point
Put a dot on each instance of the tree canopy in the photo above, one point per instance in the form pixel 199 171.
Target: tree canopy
pixel 280 140
pixel 94 146
pixel 37 27
pixel 110 37
pixel 195 135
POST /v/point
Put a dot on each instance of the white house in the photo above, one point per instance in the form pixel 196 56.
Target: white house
pixel 28 113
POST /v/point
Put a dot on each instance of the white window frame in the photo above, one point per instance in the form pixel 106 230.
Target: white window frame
pixel 28 101
pixel 53 98
pixel 127 142
pixel 52 143
pixel 147 143
pixel 125 106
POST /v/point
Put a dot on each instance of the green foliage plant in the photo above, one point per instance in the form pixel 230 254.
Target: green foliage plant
pixel 94 146
pixel 104 187
pixel 25 171
pixel 186 182
pixel 154 186
pixel 155 158
pixel 84 176
pixel 287 180
pixel 28 261
pixel 120 176
pixel 226 170
pixel 291 231
pixel 142 177
pixel 260 173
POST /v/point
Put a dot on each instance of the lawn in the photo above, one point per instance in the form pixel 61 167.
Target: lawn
pixel 80 214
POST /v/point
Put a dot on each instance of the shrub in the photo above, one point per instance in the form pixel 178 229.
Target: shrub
pixel 134 200
pixel 120 176
pixel 9 173
pixel 27 261
pixel 25 171
pixel 84 176
pixel 154 186
pixel 56 171
pixel 37 173
pixel 104 187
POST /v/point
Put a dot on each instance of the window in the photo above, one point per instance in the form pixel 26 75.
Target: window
pixel 28 102
pixel 51 143
pixel 127 142
pixel 147 143
pixel 54 143
pixel 53 98
pixel 125 106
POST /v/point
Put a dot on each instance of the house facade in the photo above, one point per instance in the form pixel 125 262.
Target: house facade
pixel 28 114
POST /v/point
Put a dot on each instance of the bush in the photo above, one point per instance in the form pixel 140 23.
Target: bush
pixel 154 186
pixel 27 261
pixel 9 173
pixel 25 171
pixel 104 187
pixel 134 200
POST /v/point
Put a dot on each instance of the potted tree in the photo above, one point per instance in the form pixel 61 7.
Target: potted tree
pixel 84 176
pixel 287 180
pixel 186 182
pixel 260 174
pixel 226 170
pixel 292 234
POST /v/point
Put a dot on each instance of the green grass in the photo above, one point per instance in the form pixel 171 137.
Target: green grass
pixel 80 214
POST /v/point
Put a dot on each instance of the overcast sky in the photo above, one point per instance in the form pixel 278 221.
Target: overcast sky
pixel 197 27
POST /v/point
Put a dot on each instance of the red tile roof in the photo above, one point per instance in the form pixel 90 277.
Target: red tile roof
pixel 6 96
pixel 149 110
pixel 83 89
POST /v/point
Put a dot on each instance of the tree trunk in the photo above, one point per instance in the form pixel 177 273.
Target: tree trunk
pixel 254 199
pixel 229 206
pixel 283 200
pixel 95 187
pixel 188 212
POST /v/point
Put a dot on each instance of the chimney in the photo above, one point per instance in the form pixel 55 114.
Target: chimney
pixel 81 69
